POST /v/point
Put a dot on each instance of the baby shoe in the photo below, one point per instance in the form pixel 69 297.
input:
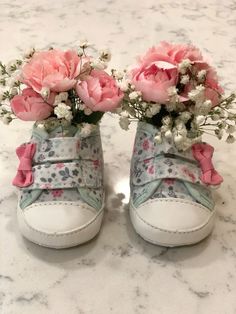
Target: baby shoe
pixel 61 195
pixel 171 202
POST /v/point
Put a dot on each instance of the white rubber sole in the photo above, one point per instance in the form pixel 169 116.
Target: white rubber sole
pixel 61 240
pixel 170 238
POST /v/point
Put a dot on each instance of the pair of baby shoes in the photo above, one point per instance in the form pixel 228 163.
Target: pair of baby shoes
pixel 61 195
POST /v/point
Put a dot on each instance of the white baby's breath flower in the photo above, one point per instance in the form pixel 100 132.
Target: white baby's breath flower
pixel 178 139
pixel 144 104
pixel 197 93
pixel 174 98
pixel 134 95
pixel 203 108
pixel 87 111
pixel 152 110
pixel 98 64
pixel 124 114
pixel 131 111
pixel 84 44
pixel 219 133
pixel 172 91
pixel 172 105
pixel 168 134
pixel 45 92
pixel 185 116
pixel 184 79
pixel 11 66
pixel 158 139
pixel 86 129
pixel 105 55
pixel 231 115
pixel 230 129
pixel 148 113
pixel 215 117
pixel 29 53
pixel 118 74
pixel 167 120
pixel 62 111
pixel 199 119
pixel 201 75
pixel 181 128
pixel 184 66
pixel 14 91
pixel 6 118
pixel 164 128
pixel 40 126
pixel 11 81
pixel 230 139
pixel 63 96
pixel 124 123
pixel 155 108
pixel 123 85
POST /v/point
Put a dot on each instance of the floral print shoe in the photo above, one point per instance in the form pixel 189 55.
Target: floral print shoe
pixel 171 202
pixel 61 195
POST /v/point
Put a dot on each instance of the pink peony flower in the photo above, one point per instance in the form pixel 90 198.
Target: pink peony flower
pixel 53 69
pixel 30 106
pixel 154 79
pixel 178 53
pixel 175 52
pixel 157 70
pixel 213 90
pixel 155 73
pixel 99 91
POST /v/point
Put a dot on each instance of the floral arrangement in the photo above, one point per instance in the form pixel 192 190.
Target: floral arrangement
pixel 55 87
pixel 174 88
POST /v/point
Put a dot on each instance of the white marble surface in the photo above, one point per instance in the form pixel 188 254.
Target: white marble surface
pixel 118 272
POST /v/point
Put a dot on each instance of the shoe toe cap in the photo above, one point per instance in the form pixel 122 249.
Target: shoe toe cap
pixel 172 221
pixel 59 224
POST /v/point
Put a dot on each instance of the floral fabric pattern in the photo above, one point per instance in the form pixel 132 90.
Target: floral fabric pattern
pixel 160 171
pixel 66 168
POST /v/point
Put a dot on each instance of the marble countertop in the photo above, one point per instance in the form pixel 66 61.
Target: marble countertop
pixel 118 272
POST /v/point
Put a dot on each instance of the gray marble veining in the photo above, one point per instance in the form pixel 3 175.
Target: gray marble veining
pixel 118 272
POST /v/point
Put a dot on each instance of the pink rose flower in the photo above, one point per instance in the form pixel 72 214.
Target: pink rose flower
pixel 155 73
pixel 53 69
pixel 30 106
pixel 99 91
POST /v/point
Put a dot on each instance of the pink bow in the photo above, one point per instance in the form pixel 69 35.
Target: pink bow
pixel 24 176
pixel 203 154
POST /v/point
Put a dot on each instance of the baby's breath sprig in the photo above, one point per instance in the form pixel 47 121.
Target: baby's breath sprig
pixel 222 119
pixel 183 122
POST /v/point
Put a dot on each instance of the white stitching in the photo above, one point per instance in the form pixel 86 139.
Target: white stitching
pixel 56 203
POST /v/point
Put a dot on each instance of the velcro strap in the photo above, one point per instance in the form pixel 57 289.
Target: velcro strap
pixel 67 148
pixel 84 173
pixel 161 167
